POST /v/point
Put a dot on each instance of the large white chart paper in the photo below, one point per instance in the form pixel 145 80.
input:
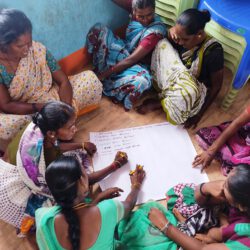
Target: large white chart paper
pixel 165 151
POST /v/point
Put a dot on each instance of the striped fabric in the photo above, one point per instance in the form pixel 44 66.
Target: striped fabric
pixel 182 96
pixel 199 222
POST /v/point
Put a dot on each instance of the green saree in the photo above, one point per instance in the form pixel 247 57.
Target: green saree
pixel 135 232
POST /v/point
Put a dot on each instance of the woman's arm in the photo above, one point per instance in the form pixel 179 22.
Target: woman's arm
pixel 65 89
pixel 88 146
pixel 207 156
pixel 101 174
pixel 9 106
pixel 159 220
pixel 121 159
pixel 214 235
pixel 138 54
pixel 136 181
pixel 216 79
pixel 129 203
pixel 125 4
pixel 172 37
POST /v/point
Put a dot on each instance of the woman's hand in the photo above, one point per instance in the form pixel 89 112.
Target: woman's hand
pixel 120 160
pixel 172 35
pixel 109 193
pixel 90 147
pixel 204 159
pixel 137 176
pixel 102 76
pixel 157 218
pixel 204 238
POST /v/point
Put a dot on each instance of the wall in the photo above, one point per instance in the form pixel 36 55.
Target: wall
pixel 62 25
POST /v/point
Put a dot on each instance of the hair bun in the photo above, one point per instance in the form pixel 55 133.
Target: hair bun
pixel 206 15
pixel 37 118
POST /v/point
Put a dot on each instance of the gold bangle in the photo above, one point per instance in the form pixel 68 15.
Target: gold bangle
pixel 119 164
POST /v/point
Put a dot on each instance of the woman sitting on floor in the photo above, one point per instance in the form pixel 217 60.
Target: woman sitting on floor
pixel 187 69
pixel 235 233
pixel 228 142
pixel 122 65
pixel 73 224
pixel 23 188
pixel 153 227
pixel 30 76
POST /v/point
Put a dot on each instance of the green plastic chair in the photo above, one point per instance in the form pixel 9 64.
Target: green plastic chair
pixel 169 10
pixel 233 45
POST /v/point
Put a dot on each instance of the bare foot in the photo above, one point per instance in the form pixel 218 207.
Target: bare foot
pixel 148 106
pixel 142 109
pixel 114 100
pixel 126 110
pixel 178 215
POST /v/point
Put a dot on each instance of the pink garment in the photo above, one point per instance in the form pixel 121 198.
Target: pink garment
pixel 234 152
pixel 236 233
pixel 150 41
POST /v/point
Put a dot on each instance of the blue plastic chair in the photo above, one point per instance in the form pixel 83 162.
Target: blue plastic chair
pixel 234 16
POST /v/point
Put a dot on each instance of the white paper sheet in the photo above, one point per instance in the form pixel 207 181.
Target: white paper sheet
pixel 165 151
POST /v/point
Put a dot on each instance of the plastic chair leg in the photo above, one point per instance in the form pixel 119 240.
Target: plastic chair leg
pixel 229 98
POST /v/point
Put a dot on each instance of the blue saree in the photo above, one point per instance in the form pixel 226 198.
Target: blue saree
pixel 107 50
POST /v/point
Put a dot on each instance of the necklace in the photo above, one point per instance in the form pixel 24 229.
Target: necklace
pixel 81 205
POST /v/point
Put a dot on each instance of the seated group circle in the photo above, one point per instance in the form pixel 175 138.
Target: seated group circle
pixel 186 66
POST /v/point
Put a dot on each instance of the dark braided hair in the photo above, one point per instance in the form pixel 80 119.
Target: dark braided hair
pixel 193 20
pixel 239 186
pixel 53 115
pixel 13 24
pixel 61 177
pixel 142 4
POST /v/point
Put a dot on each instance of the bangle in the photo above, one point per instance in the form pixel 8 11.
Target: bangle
pixel 201 192
pixel 165 228
pixel 34 107
pixel 83 144
pixel 118 163
pixel 136 186
pixel 114 166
